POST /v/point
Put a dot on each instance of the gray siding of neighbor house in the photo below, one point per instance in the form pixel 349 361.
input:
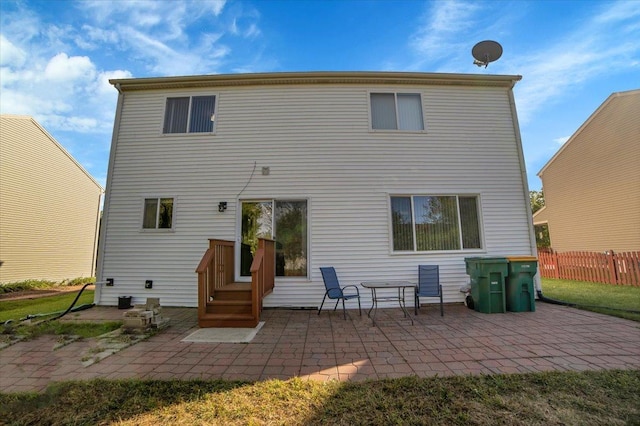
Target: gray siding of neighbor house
pixel 49 207
pixel 592 185
pixel 317 142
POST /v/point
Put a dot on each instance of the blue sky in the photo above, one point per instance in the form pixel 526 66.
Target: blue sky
pixel 56 56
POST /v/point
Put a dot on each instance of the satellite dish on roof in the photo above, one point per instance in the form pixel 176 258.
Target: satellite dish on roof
pixel 485 52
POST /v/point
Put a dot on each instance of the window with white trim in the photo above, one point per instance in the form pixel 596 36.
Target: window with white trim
pixel 435 222
pixel 189 114
pixel 158 213
pixel 396 111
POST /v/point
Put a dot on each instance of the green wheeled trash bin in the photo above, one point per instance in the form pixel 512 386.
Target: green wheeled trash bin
pixel 488 276
pixel 519 285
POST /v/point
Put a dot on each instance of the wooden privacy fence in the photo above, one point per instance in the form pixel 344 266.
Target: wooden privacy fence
pixel 609 267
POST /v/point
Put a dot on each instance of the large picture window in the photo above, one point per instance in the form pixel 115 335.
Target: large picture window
pixel 396 111
pixel 286 222
pixel 195 114
pixel 158 213
pixel 432 223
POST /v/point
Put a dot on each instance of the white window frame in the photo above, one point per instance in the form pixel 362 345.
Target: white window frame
pixel 395 100
pixel 415 250
pixel 173 213
pixel 190 96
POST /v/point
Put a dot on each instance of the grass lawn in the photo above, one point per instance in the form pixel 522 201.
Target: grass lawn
pixel 17 309
pixel 605 397
pixel 589 295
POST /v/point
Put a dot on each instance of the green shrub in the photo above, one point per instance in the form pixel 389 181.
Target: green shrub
pixel 26 285
pixel 78 281
pixel 43 284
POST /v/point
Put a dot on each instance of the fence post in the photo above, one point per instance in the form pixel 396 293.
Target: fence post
pixel 556 269
pixel 613 267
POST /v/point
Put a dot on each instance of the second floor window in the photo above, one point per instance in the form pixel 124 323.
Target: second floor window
pixel 396 111
pixel 189 114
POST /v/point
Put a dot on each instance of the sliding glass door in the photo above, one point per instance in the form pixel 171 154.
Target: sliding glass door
pixel 285 221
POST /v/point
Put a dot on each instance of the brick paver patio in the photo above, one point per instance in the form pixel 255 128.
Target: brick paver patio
pixel 301 343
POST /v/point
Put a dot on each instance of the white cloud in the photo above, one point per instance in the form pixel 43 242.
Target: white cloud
pixel 58 73
pixel 10 54
pixel 443 22
pixel 588 52
pixel 561 140
pixel 64 68
pixel 103 85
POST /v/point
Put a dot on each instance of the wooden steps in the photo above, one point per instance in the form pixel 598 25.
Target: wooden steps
pixel 231 307
pixel 228 320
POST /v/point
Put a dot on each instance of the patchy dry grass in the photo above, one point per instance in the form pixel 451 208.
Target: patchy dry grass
pixel 589 398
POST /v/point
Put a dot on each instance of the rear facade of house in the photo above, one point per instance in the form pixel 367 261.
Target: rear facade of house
pixel 371 173
pixel 592 184
pixel 49 207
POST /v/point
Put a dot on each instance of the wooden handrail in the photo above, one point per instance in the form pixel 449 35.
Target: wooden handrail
pixel 206 260
pixel 215 270
pixel 262 273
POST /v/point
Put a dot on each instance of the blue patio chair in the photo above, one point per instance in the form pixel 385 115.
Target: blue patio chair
pixel 428 285
pixel 334 291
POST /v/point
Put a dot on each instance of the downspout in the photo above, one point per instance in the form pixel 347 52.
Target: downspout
pixel 107 196
pixel 94 260
pixel 525 186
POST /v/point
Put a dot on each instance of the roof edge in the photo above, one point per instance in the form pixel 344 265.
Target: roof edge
pixel 316 77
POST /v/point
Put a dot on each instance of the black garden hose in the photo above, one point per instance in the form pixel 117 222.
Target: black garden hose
pixel 542 298
pixel 71 308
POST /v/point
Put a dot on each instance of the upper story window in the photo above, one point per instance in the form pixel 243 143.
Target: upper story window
pixel 435 222
pixel 396 111
pixel 189 114
pixel 158 213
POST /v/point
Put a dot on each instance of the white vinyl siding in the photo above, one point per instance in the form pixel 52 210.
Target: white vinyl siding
pixel 316 141
pixel 49 206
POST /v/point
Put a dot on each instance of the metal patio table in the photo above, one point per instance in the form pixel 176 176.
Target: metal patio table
pixel 399 285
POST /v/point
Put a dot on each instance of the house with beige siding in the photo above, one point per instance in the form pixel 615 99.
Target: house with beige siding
pixel 49 206
pixel 373 173
pixel 592 184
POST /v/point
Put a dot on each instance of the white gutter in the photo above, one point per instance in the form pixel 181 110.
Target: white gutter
pixel 525 185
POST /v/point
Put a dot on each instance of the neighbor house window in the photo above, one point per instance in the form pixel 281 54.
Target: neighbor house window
pixel 158 213
pixel 396 111
pixel 435 222
pixel 189 114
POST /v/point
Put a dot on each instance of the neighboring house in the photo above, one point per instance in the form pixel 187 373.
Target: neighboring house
pixel 49 206
pixel 373 173
pixel 592 184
